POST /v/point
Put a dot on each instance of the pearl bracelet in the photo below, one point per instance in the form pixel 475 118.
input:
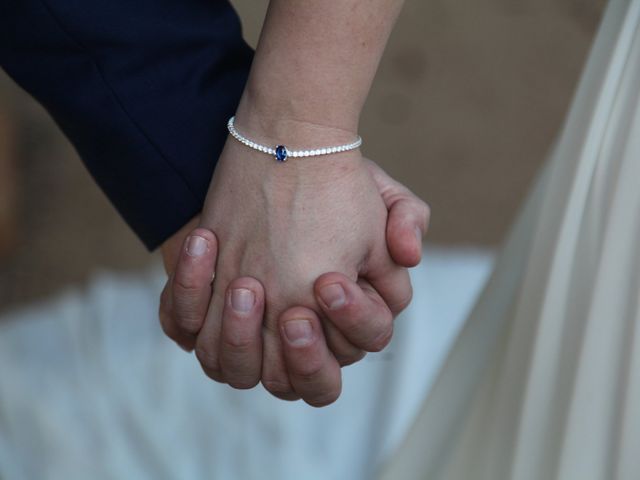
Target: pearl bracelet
pixel 281 153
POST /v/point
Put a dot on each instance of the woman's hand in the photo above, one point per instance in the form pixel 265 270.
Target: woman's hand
pixel 280 227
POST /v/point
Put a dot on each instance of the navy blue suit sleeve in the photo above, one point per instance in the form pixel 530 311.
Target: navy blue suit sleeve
pixel 142 89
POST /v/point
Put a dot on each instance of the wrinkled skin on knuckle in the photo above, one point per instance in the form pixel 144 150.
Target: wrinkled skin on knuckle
pixel 307 371
pixel 238 345
pixel 189 320
pixel 186 284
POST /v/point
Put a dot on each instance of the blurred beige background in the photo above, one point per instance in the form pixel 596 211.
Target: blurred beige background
pixel 468 99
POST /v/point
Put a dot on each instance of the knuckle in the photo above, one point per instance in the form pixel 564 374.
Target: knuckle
pixel 189 323
pixel 238 343
pixel 187 283
pixel 188 313
pixel 307 371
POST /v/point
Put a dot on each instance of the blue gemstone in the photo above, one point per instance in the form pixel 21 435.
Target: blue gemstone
pixel 281 153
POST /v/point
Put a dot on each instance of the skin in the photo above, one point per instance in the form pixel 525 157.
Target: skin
pixel 186 297
pixel 281 227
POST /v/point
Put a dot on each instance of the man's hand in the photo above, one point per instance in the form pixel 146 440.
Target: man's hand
pixel 311 367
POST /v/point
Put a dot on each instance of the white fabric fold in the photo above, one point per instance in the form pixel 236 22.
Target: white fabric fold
pixel 544 380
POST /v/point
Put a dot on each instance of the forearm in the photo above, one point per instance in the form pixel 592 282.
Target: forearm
pixel 313 68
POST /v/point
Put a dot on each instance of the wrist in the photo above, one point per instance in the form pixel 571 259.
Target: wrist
pixel 269 120
pixel 304 170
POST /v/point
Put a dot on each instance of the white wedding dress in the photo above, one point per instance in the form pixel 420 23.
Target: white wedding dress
pixel 543 383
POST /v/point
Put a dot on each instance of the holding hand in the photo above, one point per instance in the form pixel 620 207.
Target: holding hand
pixel 280 228
pixel 362 321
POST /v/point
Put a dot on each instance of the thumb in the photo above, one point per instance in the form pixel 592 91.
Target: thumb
pixel 408 218
pixel 406 225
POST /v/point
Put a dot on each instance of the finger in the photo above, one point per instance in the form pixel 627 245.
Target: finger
pixel 389 279
pixel 313 370
pixel 408 219
pixel 406 225
pixel 207 344
pixel 275 377
pixel 191 282
pixel 171 247
pixel 241 345
pixel 170 329
pixel 356 309
pixel 345 352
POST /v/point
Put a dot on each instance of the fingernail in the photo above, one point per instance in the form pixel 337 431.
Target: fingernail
pixel 197 246
pixel 298 332
pixel 333 296
pixel 242 300
pixel 419 235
